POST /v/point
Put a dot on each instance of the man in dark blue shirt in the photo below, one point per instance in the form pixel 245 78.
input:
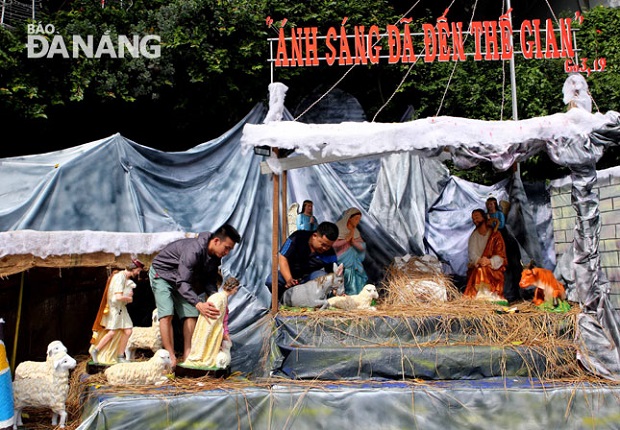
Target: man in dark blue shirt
pixel 305 255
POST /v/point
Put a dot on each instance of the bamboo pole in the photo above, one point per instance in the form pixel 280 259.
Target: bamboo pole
pixel 17 322
pixel 274 244
pixel 513 85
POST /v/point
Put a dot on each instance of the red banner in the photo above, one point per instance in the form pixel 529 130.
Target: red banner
pixel 442 41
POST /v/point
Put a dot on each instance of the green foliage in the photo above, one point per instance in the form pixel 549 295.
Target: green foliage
pixel 17 91
pixel 214 65
pixel 598 38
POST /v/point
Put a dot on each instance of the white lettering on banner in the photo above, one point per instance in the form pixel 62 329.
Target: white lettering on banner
pixel 42 42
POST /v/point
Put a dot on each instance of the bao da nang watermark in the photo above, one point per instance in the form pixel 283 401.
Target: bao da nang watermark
pixel 44 43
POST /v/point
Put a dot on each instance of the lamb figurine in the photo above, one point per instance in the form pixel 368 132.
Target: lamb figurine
pixel 40 369
pixel 223 358
pixel 144 338
pixel 153 371
pixel 50 391
pixel 363 300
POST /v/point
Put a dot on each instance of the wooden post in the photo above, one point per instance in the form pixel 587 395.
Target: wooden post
pixel 274 244
pixel 284 184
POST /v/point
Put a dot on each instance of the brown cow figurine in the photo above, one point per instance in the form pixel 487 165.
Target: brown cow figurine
pixel 548 289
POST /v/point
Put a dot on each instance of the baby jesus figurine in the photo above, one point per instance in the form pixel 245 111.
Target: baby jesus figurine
pixel 128 291
pixel 210 334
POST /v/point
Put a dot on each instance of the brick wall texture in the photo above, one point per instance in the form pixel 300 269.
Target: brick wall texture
pixel 564 217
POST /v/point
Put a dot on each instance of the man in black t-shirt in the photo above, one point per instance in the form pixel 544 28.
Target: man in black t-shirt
pixel 305 255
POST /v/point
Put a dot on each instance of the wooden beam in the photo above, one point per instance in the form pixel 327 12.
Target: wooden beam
pixel 300 161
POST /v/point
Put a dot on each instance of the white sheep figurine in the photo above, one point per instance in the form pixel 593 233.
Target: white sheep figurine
pixel 47 392
pixel 363 300
pixel 223 358
pixel 40 369
pixel 153 371
pixel 144 338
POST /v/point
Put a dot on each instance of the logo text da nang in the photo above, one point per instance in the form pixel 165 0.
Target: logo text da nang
pixel 44 43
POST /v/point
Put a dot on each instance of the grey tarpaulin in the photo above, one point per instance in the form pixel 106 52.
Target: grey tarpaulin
pixel 407 186
pixel 117 185
pixel 501 403
pixel 598 324
pixel 385 347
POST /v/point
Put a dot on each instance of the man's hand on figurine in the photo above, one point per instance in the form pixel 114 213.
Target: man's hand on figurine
pixel 292 282
pixel 208 310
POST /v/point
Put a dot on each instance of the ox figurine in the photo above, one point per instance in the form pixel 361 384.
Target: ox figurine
pixel 548 289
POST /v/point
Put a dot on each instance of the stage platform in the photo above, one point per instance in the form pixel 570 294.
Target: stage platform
pixel 515 403
pixel 451 362
pixel 337 371
pixel 433 347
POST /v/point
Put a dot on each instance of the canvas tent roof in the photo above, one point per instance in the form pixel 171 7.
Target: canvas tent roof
pixel 115 198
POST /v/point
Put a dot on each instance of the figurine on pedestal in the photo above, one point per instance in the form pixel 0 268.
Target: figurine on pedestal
pixel 113 324
pixel 210 334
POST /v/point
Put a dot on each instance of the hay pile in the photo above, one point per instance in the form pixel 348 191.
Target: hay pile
pixel 417 281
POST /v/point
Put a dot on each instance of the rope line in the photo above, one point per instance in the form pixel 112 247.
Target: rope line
pixel 351 68
pixel 443 97
pixel 402 81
